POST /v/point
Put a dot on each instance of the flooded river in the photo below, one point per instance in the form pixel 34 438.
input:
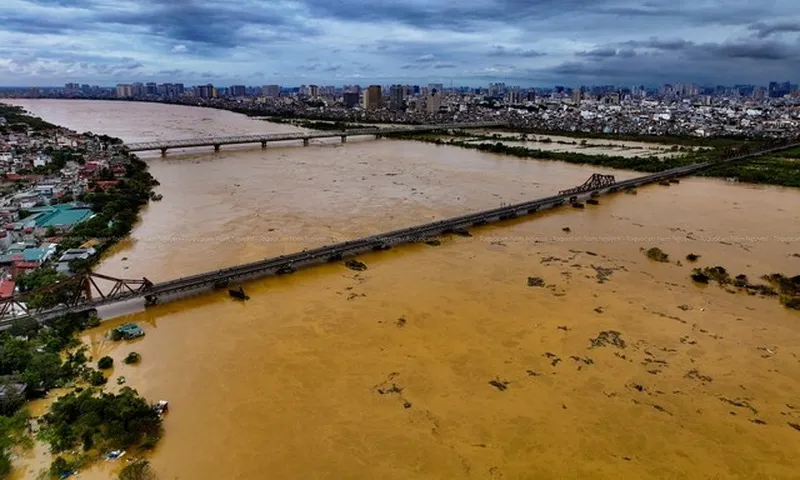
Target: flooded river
pixel 386 373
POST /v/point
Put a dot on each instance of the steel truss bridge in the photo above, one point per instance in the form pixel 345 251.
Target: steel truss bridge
pixel 266 138
pixel 82 293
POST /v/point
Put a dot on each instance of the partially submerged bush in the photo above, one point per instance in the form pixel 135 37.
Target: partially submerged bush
pixel 138 470
pixel 657 254
pixel 105 363
pixel 706 274
pixel 132 357
pixel 535 282
pixel 790 302
pixel 97 379
pixel 692 257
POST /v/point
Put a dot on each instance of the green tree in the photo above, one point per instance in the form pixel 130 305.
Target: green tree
pixel 105 363
pixel 43 371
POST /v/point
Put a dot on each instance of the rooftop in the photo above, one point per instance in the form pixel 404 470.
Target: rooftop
pixel 57 216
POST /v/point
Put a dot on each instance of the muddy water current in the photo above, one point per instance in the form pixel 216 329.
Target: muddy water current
pixel 441 361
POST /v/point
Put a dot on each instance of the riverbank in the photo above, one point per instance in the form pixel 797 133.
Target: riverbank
pixel 85 422
pixel 769 170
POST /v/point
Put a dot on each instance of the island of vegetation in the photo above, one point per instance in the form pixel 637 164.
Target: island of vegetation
pixel 100 184
pixel 774 169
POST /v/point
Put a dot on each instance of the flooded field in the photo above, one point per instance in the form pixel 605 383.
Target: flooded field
pixel 524 351
pixel 588 146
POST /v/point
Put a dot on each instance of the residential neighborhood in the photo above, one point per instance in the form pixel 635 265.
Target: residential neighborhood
pixel 44 175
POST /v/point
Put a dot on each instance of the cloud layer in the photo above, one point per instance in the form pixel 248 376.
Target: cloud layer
pixel 522 42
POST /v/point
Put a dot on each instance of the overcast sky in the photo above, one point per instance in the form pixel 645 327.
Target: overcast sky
pixel 335 42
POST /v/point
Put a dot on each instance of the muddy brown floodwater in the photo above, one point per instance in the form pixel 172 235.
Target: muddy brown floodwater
pixel 440 361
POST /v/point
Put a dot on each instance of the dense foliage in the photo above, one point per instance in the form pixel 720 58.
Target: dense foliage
pixel 12 432
pixel 101 421
pixel 116 209
pixel 17 115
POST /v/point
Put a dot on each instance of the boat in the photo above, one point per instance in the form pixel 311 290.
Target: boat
pixel 238 293
pixel 129 331
pixel 161 407
pixel 115 454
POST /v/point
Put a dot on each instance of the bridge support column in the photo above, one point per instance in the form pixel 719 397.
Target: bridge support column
pixel 344 138
pixel 264 144
pixel 164 152
pixel 305 142
pixel 378 136
pixel 216 148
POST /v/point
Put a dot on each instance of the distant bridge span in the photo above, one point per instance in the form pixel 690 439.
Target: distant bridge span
pixel 265 138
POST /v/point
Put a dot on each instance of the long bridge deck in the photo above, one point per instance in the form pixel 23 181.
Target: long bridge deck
pixel 166 291
pixel 265 138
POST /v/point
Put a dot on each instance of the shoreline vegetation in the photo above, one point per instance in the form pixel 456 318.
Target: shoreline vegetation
pixel 86 422
pixel 780 169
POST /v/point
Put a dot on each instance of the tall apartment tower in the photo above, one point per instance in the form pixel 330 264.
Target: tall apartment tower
pixel 576 96
pixel 396 97
pixel 372 97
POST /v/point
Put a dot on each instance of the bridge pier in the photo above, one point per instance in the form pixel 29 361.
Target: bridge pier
pixel 378 136
pixel 344 138
pixel 163 151
pixel 305 142
pixel 216 147
pixel 263 144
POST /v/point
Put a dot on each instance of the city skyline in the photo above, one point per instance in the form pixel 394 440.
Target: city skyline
pixel 539 43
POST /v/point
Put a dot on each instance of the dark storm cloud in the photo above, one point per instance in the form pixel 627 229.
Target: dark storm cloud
pixel 536 40
pixel 501 51
pixel 603 52
pixel 222 25
pixel 764 30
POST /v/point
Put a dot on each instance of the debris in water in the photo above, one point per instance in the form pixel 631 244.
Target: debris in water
pixel 355 265
pixel 498 384
pixel 535 282
pixel 608 337
pixel 238 294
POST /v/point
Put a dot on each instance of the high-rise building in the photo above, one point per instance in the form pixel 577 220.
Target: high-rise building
pixel 531 95
pixel 271 91
pixel 124 90
pixel 372 97
pixel 237 91
pixel 350 99
pixel 151 89
pixel 313 91
pixel 514 96
pixel 433 101
pixel 397 97
pixel 137 89
pixel 206 91
pixel 576 96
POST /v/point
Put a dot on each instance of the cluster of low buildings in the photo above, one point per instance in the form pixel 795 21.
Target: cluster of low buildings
pixel 43 174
